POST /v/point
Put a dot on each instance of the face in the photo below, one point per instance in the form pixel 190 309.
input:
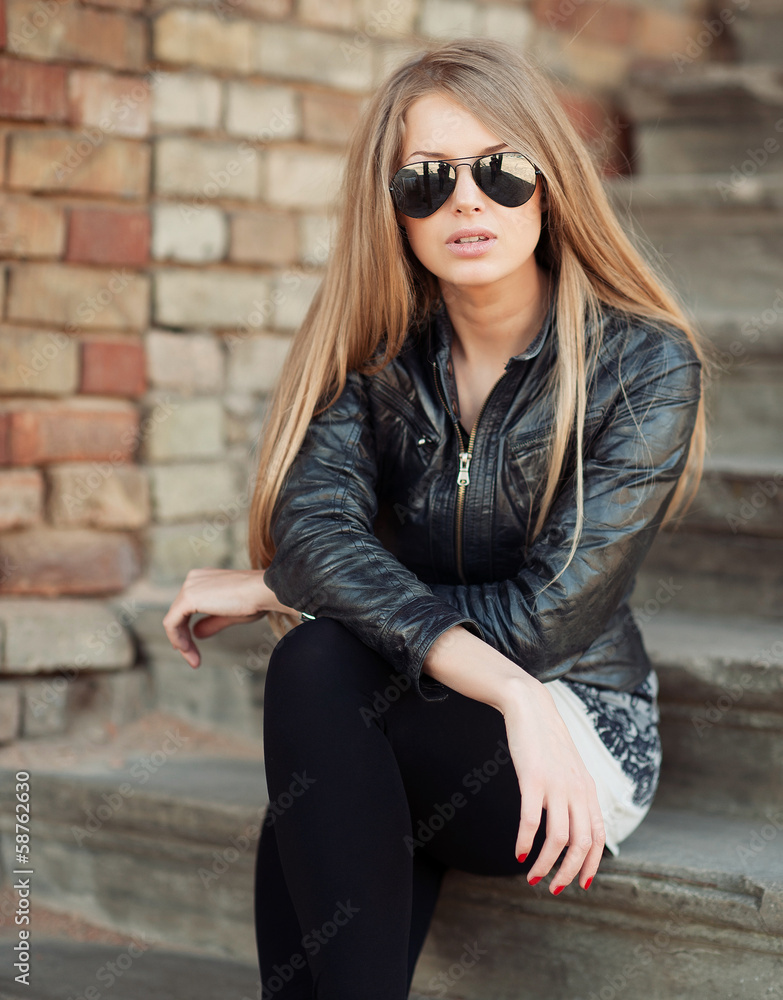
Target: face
pixel 437 128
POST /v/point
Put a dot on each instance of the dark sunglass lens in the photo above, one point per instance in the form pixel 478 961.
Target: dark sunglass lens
pixel 507 178
pixel 421 188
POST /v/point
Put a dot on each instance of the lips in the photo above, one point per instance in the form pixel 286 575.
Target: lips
pixel 476 231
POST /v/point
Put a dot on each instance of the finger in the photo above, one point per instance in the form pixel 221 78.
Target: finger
pixel 596 852
pixel 529 820
pixel 205 627
pixel 580 843
pixel 557 830
pixel 175 624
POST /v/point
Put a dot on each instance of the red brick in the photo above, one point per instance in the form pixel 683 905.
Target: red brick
pixel 113 366
pixel 118 4
pixel 86 161
pixel 52 561
pixel 108 236
pixel 2 24
pixel 81 430
pixel 32 90
pixel 21 498
pixel 606 22
pixel 120 105
pixel 74 32
pixel 31 227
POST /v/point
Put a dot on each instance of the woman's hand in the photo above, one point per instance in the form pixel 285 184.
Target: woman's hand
pixel 552 776
pixel 226 596
pixel 549 768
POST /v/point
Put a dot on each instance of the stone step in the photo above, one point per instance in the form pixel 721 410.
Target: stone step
pixel 718 239
pixel 692 906
pixel 715 572
pixel 758 33
pixel 704 116
pixel 721 700
pixel 739 494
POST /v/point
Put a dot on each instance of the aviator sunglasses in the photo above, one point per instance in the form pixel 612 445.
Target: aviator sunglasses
pixel 420 189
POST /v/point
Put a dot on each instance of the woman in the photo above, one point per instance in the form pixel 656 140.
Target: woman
pixel 491 407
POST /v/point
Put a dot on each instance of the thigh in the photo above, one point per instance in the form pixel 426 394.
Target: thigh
pixel 460 781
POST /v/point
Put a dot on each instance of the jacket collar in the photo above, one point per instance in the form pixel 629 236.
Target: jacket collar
pixel 443 332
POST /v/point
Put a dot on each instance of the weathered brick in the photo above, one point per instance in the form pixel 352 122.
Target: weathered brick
pixel 30 227
pixel 183 491
pixel 41 431
pixel 174 549
pixel 514 25
pixel 121 4
pixel 262 111
pixel 255 363
pixel 449 18
pixel 32 91
pixel 118 105
pixel 192 361
pixel 3 31
pixel 38 362
pixel 44 708
pixel 21 498
pixel 329 118
pixel 206 169
pixel 10 709
pixel 200 38
pixel 64 30
pixel 173 438
pixel 84 162
pixel 78 296
pixel 303 179
pixel 108 236
pixel 659 33
pixel 268 9
pixel 610 23
pixel 327 13
pixel 186 100
pixel 181 232
pixel 296 53
pixel 263 237
pixel 225 299
pixel 316 238
pixel 293 293
pixel 44 635
pixel 98 495
pixel 113 366
pixel 586 62
pixel 51 561
pixel 394 18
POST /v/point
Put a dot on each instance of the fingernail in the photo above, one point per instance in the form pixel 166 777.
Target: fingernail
pixel 536 880
pixel 587 883
pixel 521 857
pixel 558 889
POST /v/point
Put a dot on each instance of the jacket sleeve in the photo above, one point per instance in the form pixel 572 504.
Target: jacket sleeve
pixel 630 474
pixel 328 561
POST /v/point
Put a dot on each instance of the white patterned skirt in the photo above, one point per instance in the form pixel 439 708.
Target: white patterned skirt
pixel 616 734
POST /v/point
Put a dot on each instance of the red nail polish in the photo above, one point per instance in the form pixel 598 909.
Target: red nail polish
pixel 521 857
pixel 587 883
pixel 558 889
pixel 536 880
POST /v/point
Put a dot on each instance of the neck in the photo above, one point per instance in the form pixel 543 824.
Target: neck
pixel 492 324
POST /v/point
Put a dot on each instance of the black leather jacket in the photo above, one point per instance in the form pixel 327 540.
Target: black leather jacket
pixel 375 527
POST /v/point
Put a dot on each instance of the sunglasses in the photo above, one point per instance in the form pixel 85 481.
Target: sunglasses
pixel 420 189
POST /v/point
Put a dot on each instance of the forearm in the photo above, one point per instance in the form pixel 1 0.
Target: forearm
pixel 470 666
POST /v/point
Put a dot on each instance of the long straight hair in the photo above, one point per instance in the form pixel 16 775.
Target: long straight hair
pixel 374 287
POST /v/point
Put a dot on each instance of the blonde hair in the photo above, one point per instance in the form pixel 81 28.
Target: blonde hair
pixel 374 287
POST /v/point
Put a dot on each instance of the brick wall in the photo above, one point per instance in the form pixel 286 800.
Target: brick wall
pixel 157 249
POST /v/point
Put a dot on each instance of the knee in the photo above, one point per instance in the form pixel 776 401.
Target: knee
pixel 307 654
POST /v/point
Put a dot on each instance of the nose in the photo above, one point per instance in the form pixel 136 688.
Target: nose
pixel 466 195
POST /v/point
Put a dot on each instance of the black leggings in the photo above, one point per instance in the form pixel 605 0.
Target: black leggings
pixel 374 793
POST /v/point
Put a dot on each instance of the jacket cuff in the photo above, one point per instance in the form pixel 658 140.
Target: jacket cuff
pixel 407 636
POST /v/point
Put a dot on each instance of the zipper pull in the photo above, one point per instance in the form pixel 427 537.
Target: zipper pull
pixel 464 464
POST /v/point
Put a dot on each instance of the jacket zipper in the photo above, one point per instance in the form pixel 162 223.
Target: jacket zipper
pixel 465 455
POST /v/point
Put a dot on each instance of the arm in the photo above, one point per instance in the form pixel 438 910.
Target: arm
pixel 329 562
pixel 629 477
